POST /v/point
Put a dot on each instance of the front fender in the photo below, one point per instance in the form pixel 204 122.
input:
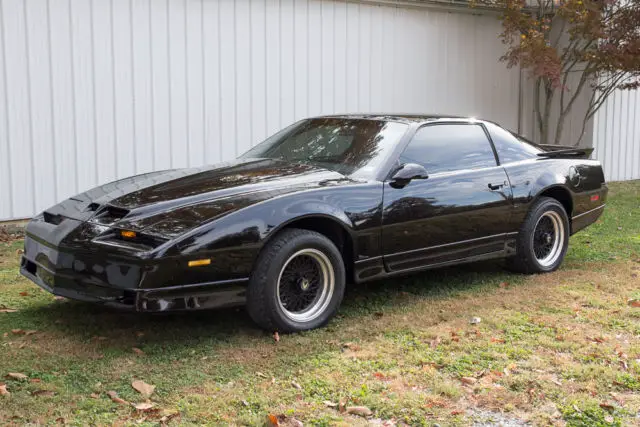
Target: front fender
pixel 242 233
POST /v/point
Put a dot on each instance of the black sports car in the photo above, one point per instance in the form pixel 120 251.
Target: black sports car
pixel 325 201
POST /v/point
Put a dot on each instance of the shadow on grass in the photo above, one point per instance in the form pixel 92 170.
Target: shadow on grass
pixel 85 322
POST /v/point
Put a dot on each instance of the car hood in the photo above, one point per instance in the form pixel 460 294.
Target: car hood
pixel 169 203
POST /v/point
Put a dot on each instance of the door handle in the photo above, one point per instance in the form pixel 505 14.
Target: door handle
pixel 495 187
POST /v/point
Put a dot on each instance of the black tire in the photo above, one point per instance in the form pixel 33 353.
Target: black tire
pixel 264 304
pixel 526 261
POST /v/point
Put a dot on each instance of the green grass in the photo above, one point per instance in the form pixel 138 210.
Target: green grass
pixel 551 349
pixel 616 236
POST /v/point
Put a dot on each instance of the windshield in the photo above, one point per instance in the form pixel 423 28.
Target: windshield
pixel 349 146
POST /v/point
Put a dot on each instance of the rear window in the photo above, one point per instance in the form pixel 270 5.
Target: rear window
pixel 510 147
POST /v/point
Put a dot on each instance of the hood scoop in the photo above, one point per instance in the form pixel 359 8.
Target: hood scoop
pixel 52 218
pixel 108 215
pixel 92 207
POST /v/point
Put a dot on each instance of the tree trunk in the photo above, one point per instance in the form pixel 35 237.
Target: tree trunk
pixel 559 128
pixel 546 116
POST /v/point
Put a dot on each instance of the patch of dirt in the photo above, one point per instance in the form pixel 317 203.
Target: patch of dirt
pixel 491 419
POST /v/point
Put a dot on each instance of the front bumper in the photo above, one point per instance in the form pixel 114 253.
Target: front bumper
pixel 199 296
pixel 91 274
pixel 73 288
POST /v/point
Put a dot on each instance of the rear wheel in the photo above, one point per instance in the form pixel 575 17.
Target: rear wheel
pixel 543 239
pixel 298 282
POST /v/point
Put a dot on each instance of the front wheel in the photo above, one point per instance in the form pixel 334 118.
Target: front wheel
pixel 298 282
pixel 543 239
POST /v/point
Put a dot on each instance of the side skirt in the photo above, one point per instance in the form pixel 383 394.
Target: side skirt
pixel 484 257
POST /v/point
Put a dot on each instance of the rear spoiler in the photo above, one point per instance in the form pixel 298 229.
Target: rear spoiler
pixel 565 151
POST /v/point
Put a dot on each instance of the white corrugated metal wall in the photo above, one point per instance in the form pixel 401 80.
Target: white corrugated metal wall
pixel 617 136
pixel 94 90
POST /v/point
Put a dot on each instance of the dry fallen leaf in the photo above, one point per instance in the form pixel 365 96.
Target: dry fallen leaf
pixel 115 398
pixel 24 294
pixel 143 406
pixel 293 422
pixel 634 302
pixel 498 340
pixel 260 374
pixel 617 398
pixel 475 320
pixel 18 332
pixel 3 390
pixel 143 388
pixel 7 310
pixel 16 376
pixel 272 420
pixel 137 351
pixel 168 417
pixel 330 404
pixel 276 337
pixel 296 385
pixel 94 395
pixel 607 406
pixel 469 380
pixel 32 332
pixel 351 346
pixel 361 411
pixel 504 285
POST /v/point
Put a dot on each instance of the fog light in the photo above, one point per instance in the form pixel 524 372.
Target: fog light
pixel 127 234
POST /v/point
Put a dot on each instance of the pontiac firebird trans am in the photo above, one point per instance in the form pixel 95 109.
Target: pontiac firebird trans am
pixel 325 201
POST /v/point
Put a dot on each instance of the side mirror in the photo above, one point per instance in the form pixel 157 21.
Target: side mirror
pixel 409 171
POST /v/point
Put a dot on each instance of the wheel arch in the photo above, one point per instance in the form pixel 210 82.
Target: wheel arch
pixel 562 195
pixel 331 227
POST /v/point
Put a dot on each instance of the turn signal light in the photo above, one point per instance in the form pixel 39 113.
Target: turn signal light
pixel 127 234
pixel 199 262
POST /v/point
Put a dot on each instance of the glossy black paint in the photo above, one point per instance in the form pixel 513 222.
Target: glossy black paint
pixel 228 212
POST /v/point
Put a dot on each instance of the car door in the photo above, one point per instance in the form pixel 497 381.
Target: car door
pixel 459 212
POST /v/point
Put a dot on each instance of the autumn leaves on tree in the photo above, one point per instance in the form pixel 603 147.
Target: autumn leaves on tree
pixel 569 47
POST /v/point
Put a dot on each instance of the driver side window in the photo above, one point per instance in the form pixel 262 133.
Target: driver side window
pixel 450 147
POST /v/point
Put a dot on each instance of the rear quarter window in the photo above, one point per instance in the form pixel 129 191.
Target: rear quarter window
pixel 510 149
